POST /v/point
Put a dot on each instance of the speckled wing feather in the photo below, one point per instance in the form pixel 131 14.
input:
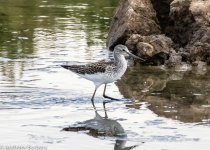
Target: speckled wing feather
pixel 90 68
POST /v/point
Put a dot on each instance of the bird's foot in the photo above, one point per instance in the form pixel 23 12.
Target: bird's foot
pixel 111 98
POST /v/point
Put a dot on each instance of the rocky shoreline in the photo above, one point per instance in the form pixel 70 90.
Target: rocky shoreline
pixel 169 32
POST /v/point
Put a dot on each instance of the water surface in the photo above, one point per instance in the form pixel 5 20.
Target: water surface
pixel 162 109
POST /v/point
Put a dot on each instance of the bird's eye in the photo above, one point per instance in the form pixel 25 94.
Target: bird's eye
pixel 123 49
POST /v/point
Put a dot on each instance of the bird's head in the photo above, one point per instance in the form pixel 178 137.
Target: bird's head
pixel 122 49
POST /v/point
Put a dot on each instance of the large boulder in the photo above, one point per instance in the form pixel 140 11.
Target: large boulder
pixel 132 17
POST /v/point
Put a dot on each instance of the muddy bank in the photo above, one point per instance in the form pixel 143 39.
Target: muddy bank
pixel 180 95
pixel 163 32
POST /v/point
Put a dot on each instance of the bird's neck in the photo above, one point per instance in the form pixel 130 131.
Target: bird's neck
pixel 120 60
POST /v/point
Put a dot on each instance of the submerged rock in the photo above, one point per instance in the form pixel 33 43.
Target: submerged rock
pixel 164 31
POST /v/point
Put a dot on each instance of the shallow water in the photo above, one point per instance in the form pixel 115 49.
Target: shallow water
pixel 162 109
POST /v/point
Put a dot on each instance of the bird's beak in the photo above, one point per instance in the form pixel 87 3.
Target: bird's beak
pixel 134 56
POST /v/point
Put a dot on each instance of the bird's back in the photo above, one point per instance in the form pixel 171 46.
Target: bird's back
pixel 91 68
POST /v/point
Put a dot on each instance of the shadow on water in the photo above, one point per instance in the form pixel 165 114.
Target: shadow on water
pixel 103 127
pixel 177 94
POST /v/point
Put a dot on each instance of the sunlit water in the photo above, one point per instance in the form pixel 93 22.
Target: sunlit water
pixel 38 98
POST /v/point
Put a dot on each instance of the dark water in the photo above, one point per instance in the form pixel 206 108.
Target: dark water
pixel 165 109
pixel 180 93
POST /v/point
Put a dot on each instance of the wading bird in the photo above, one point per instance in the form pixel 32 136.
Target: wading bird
pixel 104 72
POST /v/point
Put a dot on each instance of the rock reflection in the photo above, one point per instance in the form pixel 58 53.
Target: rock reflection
pixel 103 126
pixel 181 95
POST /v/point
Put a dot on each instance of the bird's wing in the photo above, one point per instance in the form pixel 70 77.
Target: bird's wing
pixel 90 68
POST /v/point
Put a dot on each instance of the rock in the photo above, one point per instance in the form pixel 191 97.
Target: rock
pixel 163 31
pixel 162 9
pixel 199 45
pixel 192 18
pixel 201 11
pixel 150 46
pixel 132 17
pixel 184 22
pixel 161 43
pixel 174 59
pixel 133 40
pixel 201 67
pixel 145 49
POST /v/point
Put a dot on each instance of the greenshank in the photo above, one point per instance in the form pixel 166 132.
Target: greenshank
pixel 104 71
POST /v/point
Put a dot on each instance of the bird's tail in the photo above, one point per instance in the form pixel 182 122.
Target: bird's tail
pixel 73 68
pixel 66 66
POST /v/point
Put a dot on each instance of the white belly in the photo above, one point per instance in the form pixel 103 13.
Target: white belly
pixel 100 77
pixel 104 78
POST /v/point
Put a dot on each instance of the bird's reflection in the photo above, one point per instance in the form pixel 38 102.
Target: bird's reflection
pixel 103 126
